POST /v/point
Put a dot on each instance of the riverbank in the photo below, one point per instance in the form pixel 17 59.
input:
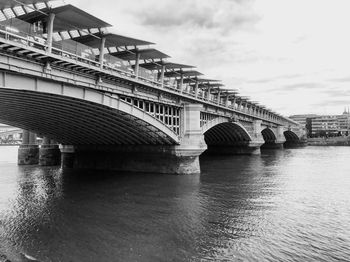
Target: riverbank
pixel 329 141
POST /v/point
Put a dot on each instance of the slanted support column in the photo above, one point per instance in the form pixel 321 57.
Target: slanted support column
pixel 67 156
pixel 50 32
pixel 162 75
pixel 102 51
pixel 49 153
pixel 137 64
pixel 28 151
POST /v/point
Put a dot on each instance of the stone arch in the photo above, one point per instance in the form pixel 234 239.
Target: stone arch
pixel 225 133
pixel 291 136
pixel 268 135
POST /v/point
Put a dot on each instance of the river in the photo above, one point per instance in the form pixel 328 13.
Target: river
pixel 286 205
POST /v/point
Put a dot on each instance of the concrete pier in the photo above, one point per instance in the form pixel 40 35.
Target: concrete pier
pixel 67 156
pixel 28 152
pixel 49 153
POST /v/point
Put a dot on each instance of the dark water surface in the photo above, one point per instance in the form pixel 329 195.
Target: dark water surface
pixel 290 205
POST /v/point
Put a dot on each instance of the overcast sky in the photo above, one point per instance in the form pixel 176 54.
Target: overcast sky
pixel 290 55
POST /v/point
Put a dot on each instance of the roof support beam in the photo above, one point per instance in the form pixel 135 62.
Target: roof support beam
pixel 102 51
pixel 50 32
pixel 137 63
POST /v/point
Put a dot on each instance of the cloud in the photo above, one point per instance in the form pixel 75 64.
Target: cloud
pixel 305 85
pixel 224 15
pixel 342 79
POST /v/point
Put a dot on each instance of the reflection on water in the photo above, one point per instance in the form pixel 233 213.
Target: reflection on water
pixel 290 205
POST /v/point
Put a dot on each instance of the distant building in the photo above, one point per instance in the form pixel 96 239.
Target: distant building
pixel 301 119
pixel 324 125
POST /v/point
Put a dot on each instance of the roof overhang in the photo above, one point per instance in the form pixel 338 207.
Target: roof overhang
pixel 180 73
pixel 112 40
pixel 167 65
pixel 67 17
pixel 145 54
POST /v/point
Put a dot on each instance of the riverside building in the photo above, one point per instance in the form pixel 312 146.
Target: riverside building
pixel 324 125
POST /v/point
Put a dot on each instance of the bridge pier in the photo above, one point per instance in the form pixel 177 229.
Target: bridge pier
pixel 278 142
pixel 28 152
pixel 67 156
pixel 49 153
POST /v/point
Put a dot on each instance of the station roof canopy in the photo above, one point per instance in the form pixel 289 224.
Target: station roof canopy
pixel 67 17
pixel 206 85
pixel 168 65
pixel 149 53
pixel 184 73
pixel 112 40
pixel 200 80
pixel 11 3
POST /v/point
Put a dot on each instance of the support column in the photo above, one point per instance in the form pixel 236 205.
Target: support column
pixel 218 100
pixel 50 32
pixel 102 51
pixel 67 156
pixel 49 153
pixel 181 83
pixel 162 76
pixel 137 63
pixel 196 89
pixel 28 151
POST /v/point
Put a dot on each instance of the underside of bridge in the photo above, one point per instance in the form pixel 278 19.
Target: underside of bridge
pixel 229 138
pixel 76 122
pixel 99 136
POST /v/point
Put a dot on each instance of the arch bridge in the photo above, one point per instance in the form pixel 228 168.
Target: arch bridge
pixel 112 103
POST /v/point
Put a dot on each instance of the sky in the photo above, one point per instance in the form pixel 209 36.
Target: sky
pixel 292 56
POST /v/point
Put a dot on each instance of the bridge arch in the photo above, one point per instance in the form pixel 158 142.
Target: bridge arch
pixel 291 136
pixel 268 135
pixel 221 132
pixel 78 116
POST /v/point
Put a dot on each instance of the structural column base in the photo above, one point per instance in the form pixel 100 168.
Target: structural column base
pixel 272 146
pixel 49 155
pixel 28 155
pixel 248 148
pixel 146 159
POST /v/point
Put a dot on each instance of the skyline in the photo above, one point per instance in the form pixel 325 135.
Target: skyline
pixel 286 56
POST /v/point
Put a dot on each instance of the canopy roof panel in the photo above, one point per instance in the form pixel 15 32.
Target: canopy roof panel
pixel 209 85
pixel 200 80
pixel 168 65
pixel 149 53
pixel 178 73
pixel 112 40
pixel 11 3
pixel 67 17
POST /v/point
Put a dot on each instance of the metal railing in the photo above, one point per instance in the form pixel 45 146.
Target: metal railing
pixel 28 35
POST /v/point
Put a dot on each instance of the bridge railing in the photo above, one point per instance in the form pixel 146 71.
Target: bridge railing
pixel 28 35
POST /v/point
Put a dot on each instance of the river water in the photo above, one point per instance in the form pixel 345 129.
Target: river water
pixel 287 205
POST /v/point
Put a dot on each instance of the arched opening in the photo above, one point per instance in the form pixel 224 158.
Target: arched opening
pixel 292 139
pixel 269 138
pixel 227 138
pixel 75 121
